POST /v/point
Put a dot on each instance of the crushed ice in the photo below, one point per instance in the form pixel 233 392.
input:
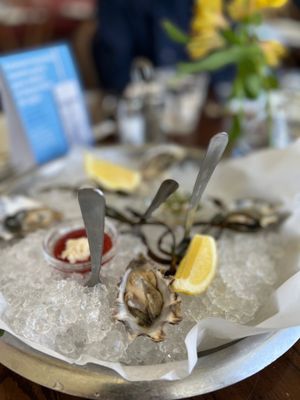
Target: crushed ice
pixel 57 311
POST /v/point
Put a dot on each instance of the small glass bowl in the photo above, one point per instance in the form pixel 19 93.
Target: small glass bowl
pixel 65 228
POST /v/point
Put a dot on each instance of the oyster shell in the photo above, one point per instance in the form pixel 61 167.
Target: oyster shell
pixel 25 221
pixel 145 301
pixel 257 213
pixel 160 159
pixel 249 214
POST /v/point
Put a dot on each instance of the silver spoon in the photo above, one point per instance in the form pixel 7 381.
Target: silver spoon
pixel 92 206
pixel 208 164
pixel 167 187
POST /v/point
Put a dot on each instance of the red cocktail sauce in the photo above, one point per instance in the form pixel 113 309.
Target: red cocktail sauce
pixel 60 245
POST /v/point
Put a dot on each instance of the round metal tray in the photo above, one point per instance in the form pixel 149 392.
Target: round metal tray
pixel 215 369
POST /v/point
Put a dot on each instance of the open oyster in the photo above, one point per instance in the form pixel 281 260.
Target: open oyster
pixel 145 300
pixel 256 213
pixel 160 159
pixel 25 221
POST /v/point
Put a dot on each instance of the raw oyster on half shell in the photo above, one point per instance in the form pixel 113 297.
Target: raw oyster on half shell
pixel 160 159
pixel 26 221
pixel 255 213
pixel 145 301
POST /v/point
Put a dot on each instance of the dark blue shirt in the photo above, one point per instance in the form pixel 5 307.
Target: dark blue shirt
pixel 132 28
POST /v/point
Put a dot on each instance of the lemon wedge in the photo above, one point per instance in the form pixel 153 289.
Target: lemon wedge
pixel 198 267
pixel 111 176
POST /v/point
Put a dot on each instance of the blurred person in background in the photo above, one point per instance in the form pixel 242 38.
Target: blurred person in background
pixel 127 29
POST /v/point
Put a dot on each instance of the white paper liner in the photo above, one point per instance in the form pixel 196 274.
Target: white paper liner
pixel 273 174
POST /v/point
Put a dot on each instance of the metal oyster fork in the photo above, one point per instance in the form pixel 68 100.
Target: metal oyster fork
pixel 208 164
pixel 92 206
pixel 167 187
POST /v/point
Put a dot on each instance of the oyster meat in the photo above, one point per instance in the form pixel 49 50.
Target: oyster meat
pixel 145 301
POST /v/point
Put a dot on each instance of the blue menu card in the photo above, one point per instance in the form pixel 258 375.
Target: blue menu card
pixel 44 105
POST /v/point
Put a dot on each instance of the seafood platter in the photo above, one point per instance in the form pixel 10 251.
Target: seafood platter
pixel 156 269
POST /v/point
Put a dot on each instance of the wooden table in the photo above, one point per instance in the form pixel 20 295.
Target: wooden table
pixel 278 381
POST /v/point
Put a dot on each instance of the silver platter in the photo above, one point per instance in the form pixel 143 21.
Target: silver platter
pixel 215 369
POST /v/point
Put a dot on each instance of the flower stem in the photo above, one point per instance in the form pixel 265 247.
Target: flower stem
pixel 269 120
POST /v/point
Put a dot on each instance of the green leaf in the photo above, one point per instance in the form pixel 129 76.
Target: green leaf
pixel 270 82
pixel 255 19
pixel 231 37
pixel 237 88
pixel 252 85
pixel 174 32
pixel 219 59
pixel 1 332
pixel 236 128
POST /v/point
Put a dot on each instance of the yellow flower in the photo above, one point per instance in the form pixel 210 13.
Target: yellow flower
pixel 270 3
pixel 207 19
pixel 273 52
pixel 207 16
pixel 202 44
pixel 239 9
